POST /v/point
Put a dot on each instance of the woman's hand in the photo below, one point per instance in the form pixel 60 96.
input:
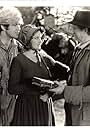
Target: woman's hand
pixel 61 85
pixel 44 97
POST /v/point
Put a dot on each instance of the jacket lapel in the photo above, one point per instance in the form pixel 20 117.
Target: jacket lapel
pixel 84 47
pixel 80 57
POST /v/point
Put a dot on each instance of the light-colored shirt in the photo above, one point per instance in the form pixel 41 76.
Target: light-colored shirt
pixel 6 56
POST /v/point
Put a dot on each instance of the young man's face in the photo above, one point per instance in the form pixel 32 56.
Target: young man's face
pixel 13 30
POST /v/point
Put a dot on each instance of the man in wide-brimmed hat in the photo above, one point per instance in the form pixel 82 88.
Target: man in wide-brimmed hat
pixel 10 22
pixel 77 92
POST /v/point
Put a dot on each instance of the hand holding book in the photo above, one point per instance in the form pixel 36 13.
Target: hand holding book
pixel 61 86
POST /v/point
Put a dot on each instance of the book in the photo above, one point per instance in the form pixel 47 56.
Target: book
pixel 44 83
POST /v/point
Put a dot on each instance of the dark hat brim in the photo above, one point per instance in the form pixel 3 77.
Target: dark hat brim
pixel 78 24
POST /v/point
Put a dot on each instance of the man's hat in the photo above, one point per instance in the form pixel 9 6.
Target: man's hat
pixel 82 18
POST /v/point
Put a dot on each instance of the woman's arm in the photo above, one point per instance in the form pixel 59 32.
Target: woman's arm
pixel 58 69
pixel 86 94
pixel 53 62
pixel 15 85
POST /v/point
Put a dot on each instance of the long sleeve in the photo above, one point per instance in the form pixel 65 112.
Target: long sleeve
pixel 75 94
pixel 58 69
pixel 3 74
pixel 1 89
pixel 86 94
pixel 15 85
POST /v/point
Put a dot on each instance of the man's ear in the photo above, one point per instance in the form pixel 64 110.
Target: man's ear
pixel 3 28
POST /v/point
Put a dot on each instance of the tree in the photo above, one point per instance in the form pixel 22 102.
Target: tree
pixel 27 14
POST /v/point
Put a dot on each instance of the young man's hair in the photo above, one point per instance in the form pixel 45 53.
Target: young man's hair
pixel 10 15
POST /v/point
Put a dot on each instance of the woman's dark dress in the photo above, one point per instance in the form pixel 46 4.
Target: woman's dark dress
pixel 29 109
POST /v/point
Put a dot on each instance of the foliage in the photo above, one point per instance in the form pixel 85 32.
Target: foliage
pixel 27 14
pixel 62 13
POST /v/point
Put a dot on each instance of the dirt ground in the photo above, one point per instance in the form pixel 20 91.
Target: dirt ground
pixel 59 112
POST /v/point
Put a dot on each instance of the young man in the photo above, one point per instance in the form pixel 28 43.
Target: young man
pixel 10 22
pixel 77 92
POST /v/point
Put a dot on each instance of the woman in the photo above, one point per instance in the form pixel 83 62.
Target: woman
pixel 33 104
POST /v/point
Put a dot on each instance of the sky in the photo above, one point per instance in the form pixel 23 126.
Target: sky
pixel 45 2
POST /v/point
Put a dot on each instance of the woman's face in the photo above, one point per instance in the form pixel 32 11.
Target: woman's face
pixel 36 41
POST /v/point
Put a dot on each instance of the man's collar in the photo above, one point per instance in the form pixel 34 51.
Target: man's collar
pixel 4 47
pixel 83 45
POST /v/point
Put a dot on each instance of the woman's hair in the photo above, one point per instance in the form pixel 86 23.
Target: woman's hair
pixel 28 44
pixel 27 33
